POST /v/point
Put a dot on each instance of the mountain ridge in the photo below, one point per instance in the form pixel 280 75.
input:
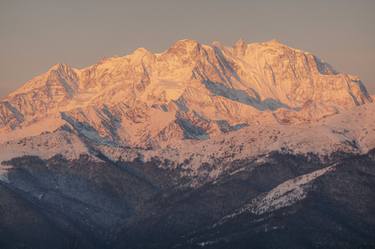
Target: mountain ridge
pixel 190 87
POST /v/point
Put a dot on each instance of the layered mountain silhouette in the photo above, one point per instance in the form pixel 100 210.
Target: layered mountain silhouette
pixel 201 146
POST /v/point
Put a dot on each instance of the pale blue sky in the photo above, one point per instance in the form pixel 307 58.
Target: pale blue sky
pixel 35 34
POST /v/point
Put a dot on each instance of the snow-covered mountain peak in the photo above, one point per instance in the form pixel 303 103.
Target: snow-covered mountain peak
pixel 60 67
pixel 274 43
pixel 184 49
pixel 139 54
pixel 240 47
pixel 186 43
pixel 190 91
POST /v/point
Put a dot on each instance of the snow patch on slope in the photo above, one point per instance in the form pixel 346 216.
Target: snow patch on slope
pixel 285 194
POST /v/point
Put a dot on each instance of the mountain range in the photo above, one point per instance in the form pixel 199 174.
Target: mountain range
pixel 256 145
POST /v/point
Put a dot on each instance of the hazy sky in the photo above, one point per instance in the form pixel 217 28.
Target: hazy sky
pixel 35 34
